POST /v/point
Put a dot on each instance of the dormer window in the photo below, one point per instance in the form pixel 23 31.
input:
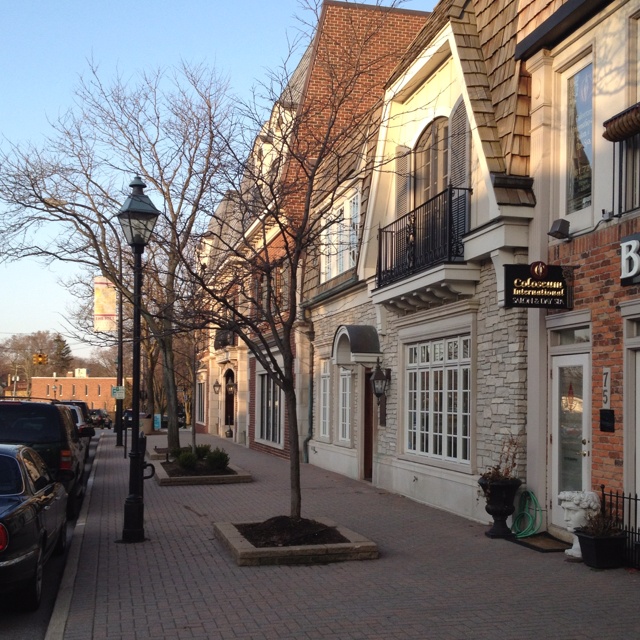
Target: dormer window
pixel 431 159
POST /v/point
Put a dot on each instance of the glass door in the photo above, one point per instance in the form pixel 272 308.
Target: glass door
pixel 571 428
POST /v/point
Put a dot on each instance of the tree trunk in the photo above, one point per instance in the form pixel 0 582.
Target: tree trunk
pixel 294 451
pixel 171 391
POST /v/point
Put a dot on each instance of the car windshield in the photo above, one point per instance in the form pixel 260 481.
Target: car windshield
pixel 23 423
pixel 10 477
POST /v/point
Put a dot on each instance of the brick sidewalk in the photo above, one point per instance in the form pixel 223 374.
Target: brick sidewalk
pixel 438 577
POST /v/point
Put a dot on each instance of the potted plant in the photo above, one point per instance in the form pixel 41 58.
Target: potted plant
pixel 602 541
pixel 500 485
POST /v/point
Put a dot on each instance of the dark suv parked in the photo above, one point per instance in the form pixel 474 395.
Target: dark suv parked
pixel 49 429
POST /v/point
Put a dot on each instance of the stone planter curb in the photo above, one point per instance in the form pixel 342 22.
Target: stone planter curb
pixel 164 480
pixel 245 554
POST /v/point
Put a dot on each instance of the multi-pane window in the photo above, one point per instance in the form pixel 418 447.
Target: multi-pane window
pixel 200 402
pixel 579 163
pixel 344 406
pixel 432 161
pixel 325 381
pixel 439 398
pixel 269 418
pixel 340 239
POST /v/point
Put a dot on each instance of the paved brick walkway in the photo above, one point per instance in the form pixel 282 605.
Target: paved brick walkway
pixel 438 577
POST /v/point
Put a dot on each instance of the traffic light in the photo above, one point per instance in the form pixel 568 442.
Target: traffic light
pixel 45 358
pixel 35 358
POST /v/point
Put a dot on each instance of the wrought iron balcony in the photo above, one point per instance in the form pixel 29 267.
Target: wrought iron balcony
pixel 425 237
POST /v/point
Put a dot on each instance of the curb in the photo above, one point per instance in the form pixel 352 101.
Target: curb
pixel 60 614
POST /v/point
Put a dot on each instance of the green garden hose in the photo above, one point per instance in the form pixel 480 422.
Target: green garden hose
pixel 528 519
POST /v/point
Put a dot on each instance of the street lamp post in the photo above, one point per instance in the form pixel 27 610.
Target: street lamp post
pixel 137 216
pixel 119 366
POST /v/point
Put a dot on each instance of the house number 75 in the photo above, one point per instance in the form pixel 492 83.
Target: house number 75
pixel 606 387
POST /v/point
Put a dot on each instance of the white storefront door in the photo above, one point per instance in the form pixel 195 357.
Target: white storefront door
pixel 571 428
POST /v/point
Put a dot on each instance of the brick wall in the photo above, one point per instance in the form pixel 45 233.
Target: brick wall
pixel 597 288
pixel 96 392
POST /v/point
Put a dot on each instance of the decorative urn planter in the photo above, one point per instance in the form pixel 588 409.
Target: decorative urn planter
pixel 602 552
pixel 500 495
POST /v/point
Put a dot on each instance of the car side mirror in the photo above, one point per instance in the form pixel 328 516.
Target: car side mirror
pixel 41 483
pixel 87 432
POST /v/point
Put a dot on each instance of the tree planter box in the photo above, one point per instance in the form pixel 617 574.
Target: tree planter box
pixel 602 552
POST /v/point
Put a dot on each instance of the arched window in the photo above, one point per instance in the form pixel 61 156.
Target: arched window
pixel 432 161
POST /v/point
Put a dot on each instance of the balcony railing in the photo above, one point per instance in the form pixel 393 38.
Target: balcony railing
pixel 425 237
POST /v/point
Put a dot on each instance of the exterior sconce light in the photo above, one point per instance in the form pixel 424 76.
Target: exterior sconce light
pixel 231 387
pixel 560 229
pixel 216 387
pixel 380 383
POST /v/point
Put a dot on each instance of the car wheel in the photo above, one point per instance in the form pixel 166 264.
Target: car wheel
pixel 61 542
pixel 31 595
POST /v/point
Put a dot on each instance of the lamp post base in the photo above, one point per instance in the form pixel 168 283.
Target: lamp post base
pixel 133 529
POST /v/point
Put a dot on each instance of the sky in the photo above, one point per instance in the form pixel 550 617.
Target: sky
pixel 45 47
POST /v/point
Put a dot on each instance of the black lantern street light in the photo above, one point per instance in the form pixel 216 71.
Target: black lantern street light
pixel 138 217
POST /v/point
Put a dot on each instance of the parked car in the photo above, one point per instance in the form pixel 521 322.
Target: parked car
pixel 84 407
pixel 32 522
pixel 100 418
pixel 49 428
pixel 82 427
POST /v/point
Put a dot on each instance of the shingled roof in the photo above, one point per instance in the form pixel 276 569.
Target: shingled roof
pixel 485 33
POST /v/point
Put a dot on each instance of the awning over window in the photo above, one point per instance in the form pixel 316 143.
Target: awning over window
pixel 355 344
pixel 624 125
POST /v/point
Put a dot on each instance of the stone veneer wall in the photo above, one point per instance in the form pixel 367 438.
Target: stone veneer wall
pixel 501 374
pixel 325 330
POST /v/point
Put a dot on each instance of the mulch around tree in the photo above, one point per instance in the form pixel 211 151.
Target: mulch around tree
pixel 284 531
pixel 174 470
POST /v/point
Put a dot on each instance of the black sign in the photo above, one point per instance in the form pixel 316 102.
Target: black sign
pixel 607 420
pixel 538 285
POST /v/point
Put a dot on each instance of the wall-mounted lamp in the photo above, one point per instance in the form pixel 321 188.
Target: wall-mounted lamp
pixel 216 387
pixel 380 383
pixel 560 229
pixel 231 387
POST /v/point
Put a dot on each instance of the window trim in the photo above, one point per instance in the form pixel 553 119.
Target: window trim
pixel 263 378
pixel 339 240
pixel 581 219
pixel 345 398
pixel 324 431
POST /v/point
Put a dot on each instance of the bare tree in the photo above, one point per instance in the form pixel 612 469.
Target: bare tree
pixel 19 356
pixel 279 209
pixel 61 197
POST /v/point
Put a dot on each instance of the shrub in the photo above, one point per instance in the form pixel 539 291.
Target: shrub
pixel 217 460
pixel 202 450
pixel 177 451
pixel 187 460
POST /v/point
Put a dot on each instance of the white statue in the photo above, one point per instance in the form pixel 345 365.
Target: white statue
pixel 578 506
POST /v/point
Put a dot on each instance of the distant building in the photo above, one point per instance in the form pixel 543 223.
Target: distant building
pixel 96 392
